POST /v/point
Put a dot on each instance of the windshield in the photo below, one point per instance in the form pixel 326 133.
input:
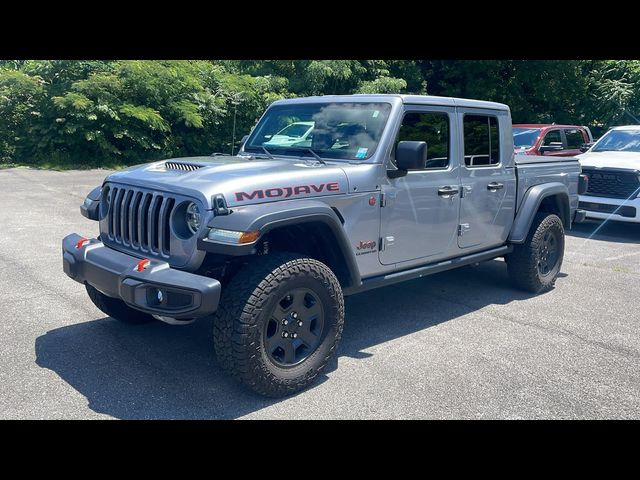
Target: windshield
pixel 619 141
pixel 525 137
pixel 349 131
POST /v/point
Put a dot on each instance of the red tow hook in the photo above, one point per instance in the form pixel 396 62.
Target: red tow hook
pixel 142 264
pixel 82 242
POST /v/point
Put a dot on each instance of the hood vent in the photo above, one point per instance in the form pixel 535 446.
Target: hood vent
pixel 185 167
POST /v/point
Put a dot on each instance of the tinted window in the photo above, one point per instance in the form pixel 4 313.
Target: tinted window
pixel 430 127
pixel 552 137
pixel 574 139
pixel 481 141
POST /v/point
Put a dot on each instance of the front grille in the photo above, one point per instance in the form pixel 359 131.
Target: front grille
pixel 623 211
pixel 187 167
pixel 139 220
pixel 612 183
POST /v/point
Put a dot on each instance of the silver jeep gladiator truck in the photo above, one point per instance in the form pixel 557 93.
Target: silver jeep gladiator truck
pixel 364 191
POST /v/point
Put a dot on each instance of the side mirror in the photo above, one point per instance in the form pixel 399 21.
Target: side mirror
pixel 552 147
pixel 586 146
pixel 411 155
pixel 244 139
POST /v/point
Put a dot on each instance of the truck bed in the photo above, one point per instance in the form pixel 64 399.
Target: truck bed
pixel 534 170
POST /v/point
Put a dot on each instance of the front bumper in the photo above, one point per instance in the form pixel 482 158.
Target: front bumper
pixel 603 208
pixel 183 295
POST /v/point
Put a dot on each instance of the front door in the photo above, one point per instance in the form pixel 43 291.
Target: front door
pixel 419 218
pixel 574 138
pixel 487 179
pixel 551 138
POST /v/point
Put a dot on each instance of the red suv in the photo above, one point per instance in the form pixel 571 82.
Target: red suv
pixel 552 140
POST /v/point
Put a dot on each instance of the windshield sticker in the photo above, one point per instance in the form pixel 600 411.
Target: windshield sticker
pixel 376 113
pixel 362 152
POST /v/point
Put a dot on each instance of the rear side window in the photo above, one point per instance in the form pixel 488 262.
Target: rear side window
pixel 481 141
pixel 553 137
pixel 430 127
pixel 574 138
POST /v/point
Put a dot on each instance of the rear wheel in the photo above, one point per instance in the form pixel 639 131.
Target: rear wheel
pixel 116 308
pixel 279 322
pixel 535 264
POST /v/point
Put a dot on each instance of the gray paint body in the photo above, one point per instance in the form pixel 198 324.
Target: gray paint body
pixel 416 226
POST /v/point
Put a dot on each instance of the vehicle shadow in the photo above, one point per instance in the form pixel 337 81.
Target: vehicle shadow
pixel 159 371
pixel 609 231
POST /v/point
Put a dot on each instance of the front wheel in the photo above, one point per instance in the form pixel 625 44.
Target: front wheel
pixel 279 322
pixel 535 264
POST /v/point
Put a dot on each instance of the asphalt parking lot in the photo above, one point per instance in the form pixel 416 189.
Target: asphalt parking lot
pixel 460 344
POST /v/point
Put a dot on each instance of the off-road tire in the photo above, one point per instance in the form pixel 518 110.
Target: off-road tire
pixel 116 308
pixel 246 308
pixel 523 262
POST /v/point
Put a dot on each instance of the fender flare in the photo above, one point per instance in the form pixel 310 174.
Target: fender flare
pixel 530 205
pixel 268 216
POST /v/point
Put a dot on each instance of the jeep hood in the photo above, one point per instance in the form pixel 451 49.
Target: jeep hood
pixel 628 160
pixel 240 180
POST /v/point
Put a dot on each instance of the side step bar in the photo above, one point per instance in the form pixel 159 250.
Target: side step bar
pixel 418 272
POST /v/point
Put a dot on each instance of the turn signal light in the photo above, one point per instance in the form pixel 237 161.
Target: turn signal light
pixel 232 236
pixel 248 237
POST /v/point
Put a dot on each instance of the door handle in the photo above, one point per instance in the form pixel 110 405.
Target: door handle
pixel 495 186
pixel 448 191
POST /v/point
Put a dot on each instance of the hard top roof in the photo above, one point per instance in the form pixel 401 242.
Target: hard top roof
pixel 408 99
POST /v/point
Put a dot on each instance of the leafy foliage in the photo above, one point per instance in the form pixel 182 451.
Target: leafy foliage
pixel 105 112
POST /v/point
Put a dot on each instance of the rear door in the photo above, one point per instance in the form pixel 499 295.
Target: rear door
pixel 487 177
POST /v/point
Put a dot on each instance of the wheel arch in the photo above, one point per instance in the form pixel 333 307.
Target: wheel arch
pixel 550 197
pixel 308 227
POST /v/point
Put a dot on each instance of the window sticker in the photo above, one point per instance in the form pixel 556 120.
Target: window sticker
pixel 376 113
pixel 362 152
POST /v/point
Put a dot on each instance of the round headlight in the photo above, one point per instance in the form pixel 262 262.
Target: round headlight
pixel 193 217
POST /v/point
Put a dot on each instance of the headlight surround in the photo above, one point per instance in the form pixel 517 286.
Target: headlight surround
pixel 193 218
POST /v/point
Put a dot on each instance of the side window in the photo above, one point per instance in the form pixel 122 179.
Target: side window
pixel 430 127
pixel 552 137
pixel 481 141
pixel 574 139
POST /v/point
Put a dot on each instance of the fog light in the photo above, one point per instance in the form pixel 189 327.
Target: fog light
pixel 160 296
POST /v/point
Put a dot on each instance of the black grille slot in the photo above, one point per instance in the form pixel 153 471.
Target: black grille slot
pixel 140 220
pixel 186 167
pixel 612 183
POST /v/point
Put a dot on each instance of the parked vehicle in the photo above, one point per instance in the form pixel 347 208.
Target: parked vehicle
pixel 550 140
pixel 612 166
pixel 392 188
pixel 296 134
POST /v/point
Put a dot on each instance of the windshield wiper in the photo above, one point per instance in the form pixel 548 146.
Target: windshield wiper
pixel 267 152
pixel 318 157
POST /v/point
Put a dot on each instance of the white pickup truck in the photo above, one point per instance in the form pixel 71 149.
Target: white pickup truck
pixel 612 165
